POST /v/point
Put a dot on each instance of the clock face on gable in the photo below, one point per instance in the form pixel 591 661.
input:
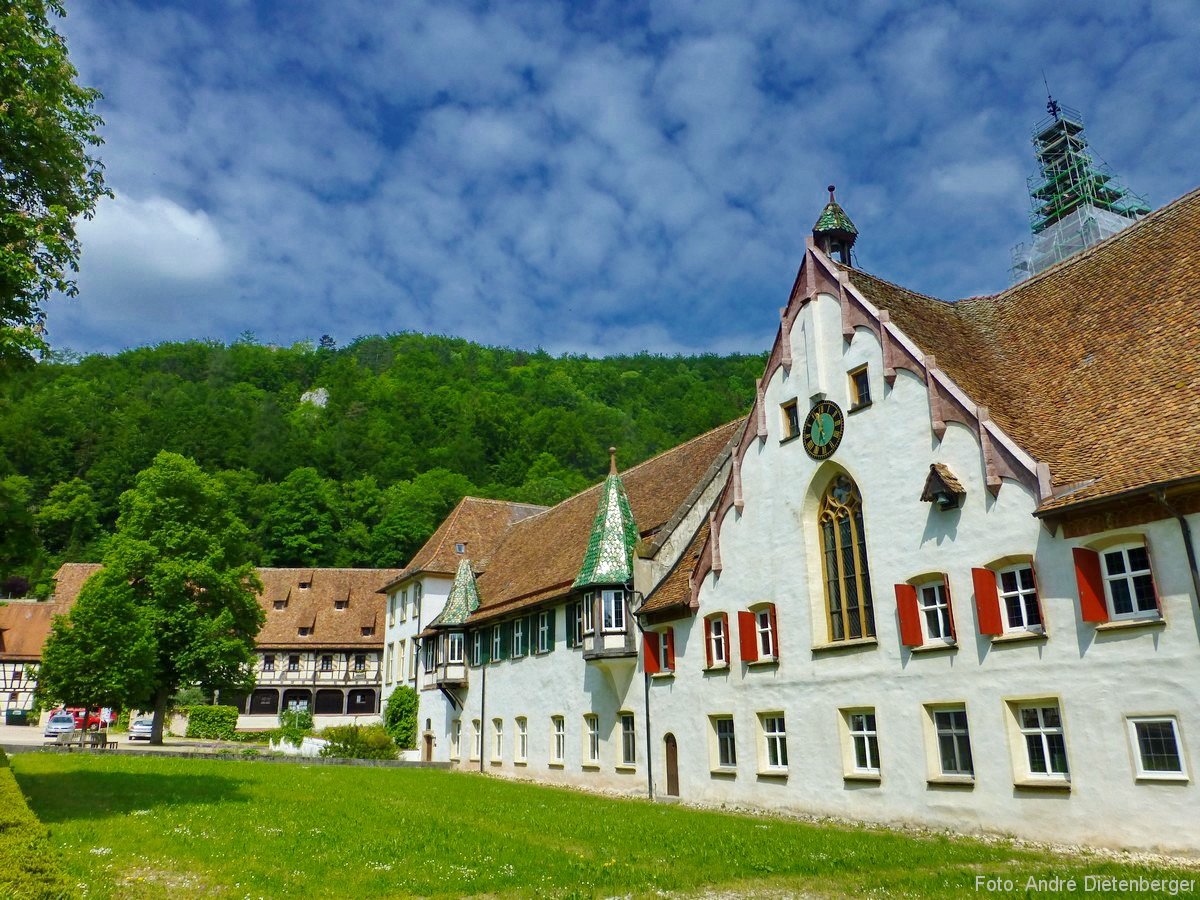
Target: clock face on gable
pixel 823 429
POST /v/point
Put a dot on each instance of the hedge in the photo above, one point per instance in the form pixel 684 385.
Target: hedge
pixel 212 722
pixel 358 742
pixel 28 867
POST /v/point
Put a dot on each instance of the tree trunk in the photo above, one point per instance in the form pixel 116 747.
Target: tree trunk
pixel 161 699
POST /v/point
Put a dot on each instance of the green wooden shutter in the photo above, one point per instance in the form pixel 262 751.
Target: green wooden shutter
pixel 550 613
pixel 530 637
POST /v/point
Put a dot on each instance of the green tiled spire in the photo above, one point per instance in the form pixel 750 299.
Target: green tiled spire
pixel 833 218
pixel 464 596
pixel 609 557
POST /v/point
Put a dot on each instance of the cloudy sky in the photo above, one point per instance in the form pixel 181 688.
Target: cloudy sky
pixel 592 177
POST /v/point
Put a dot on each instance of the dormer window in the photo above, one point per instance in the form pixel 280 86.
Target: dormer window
pixel 340 604
pixel 368 630
pixel 304 630
pixel 305 585
pixel 281 604
pixel 460 548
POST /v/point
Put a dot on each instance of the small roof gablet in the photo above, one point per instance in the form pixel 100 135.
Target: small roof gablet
pixel 609 556
pixel 463 599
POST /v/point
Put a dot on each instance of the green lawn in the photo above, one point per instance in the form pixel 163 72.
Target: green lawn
pixel 150 827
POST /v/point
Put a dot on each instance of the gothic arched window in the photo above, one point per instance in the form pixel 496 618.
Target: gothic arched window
pixel 844 562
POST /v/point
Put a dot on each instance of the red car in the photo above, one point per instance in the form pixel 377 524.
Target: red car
pixel 93 720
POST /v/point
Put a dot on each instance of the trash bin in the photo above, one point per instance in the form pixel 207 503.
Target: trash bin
pixel 16 717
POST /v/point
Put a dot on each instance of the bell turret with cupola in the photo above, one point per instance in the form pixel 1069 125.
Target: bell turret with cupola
pixel 834 233
pixel 605 580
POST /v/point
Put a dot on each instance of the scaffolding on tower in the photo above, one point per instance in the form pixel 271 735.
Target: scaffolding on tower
pixel 1076 199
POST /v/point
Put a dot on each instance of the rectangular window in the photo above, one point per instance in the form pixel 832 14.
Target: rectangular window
pixel 326 663
pixel 497 642
pixel 360 662
pixel 791 419
pixel 865 742
pixel 764 622
pixel 368 631
pixel 413 652
pixel 1018 595
pixel 429 653
pixel 294 663
pixel 391 610
pixel 455 738
pixel 935 611
pixel 341 604
pixel 518 638
pixel 774 733
pixel 476 647
pixel 591 724
pixel 1128 582
pixel 1157 747
pixel 417 592
pixel 404 605
pixel 522 751
pixel 614 611
pixel 387 662
pixel 628 740
pixel 545 635
pixel 280 604
pixel 588 609
pixel 860 388
pixel 304 631
pixel 954 741
pixel 398 662
pixel 476 739
pixel 666 650
pixel 718 642
pixel 558 750
pixel 497 740
pixel 726 744
pixel 454 648
pixel 576 623
pixel 1045 746
pixel 269 663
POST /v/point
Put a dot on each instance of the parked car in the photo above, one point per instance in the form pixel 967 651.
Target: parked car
pixel 59 723
pixel 92 720
pixel 140 729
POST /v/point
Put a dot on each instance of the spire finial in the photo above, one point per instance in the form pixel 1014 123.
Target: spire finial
pixel 612 460
pixel 831 189
pixel 1052 106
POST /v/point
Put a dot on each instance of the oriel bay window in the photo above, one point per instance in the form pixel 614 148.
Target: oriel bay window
pixel 844 562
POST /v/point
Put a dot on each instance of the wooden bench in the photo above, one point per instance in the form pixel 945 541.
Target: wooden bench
pixel 85 740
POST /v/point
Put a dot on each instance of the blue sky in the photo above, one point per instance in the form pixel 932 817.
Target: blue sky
pixel 598 178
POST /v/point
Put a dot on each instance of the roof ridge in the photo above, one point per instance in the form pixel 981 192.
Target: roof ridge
pixel 1089 251
pixel 499 501
pixel 325 568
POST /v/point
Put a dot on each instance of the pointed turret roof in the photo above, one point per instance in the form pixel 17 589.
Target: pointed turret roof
pixel 609 556
pixel 463 599
pixel 833 219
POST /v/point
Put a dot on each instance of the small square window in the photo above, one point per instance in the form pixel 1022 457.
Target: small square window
pixel 860 388
pixel 460 548
pixel 304 631
pixel 791 419
pixel 1157 748
pixel 368 630
pixel 305 585
pixel 280 604
pixel 340 604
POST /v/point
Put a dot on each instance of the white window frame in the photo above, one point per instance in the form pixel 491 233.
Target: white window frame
pixel 417 593
pixel 1144 774
pixel 293 662
pixel 455 739
pixel 1044 733
pixel 392 610
pixel 723 742
pixel 665 663
pixel 414 651
pixel 518 638
pixel 591 727
pixel 398 661
pixel 958 736
pixel 268 663
pixel 454 648
pixel 558 740
pixel 628 739
pixel 773 728
pixel 521 750
pixel 613 603
pixel 768 646
pixel 387 663
pixel 588 611
pixel 497 740
pixel 863 728
pixel 477 647
pixel 497 642
pixel 940 607
pixel 544 637
pixel 404 605
pixel 476 738
pixel 1025 595
pixel 325 664
pixel 1128 576
pixel 718 641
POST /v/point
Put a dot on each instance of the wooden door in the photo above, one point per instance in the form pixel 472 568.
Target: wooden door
pixel 672 766
pixel 427 750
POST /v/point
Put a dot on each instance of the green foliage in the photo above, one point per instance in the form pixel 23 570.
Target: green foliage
pixel 358 742
pixel 28 865
pixel 174 604
pixel 412 423
pixel 295 725
pixel 50 178
pixel 400 717
pixel 218 723
pixel 3 759
pixel 122 724
pixel 190 695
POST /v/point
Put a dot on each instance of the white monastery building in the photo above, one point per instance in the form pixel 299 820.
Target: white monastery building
pixel 943 573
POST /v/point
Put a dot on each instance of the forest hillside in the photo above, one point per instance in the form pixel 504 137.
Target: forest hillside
pixel 333 456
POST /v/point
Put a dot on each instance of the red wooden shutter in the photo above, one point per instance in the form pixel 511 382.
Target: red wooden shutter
pixel 650 652
pixel 987 601
pixel 670 661
pixel 1092 606
pixel 708 660
pixel 747 635
pixel 910 616
pixel 949 606
pixel 774 632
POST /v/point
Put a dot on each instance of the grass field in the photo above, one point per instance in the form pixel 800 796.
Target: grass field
pixel 151 827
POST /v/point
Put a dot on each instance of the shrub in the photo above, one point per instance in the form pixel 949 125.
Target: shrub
pixel 358 742
pixel 190 696
pixel 122 723
pixel 3 759
pixel 212 722
pixel 400 717
pixel 28 867
pixel 294 725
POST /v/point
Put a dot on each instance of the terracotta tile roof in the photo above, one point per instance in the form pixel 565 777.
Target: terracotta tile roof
pixel 24 627
pixel 1092 366
pixel 312 607
pixel 540 556
pixel 676 589
pixel 476 522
